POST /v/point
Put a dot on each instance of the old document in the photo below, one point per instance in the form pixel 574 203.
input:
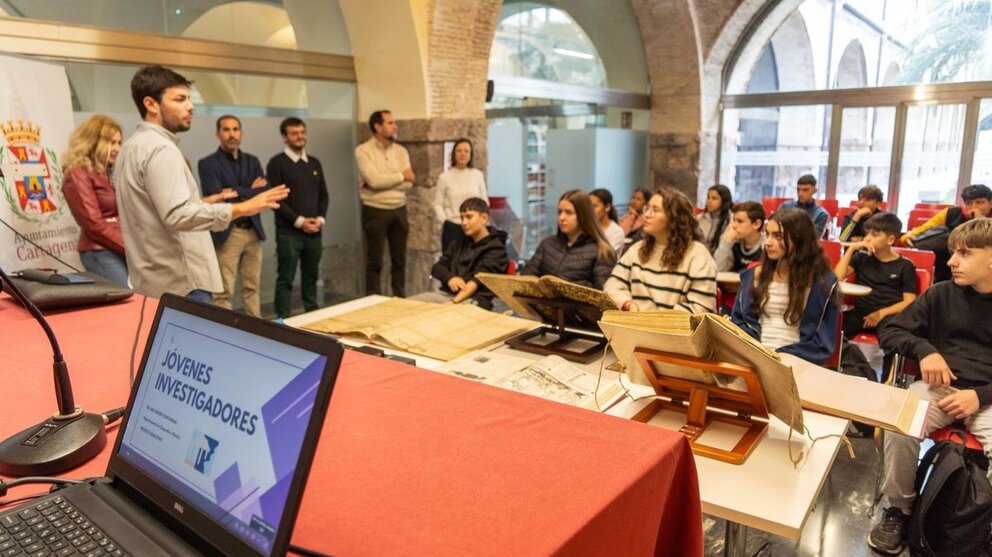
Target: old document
pixel 439 331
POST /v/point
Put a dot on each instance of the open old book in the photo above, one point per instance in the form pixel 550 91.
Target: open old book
pixel 783 376
pixel 709 337
pixel 439 331
pixel 589 302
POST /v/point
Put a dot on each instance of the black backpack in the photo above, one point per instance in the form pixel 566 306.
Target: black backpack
pixel 952 512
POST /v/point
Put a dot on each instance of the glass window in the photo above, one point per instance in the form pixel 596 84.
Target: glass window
pixel 932 155
pixel 981 172
pixel 765 150
pixel 865 151
pixel 542 42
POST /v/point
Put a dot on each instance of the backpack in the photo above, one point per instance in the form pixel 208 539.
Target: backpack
pixel 951 514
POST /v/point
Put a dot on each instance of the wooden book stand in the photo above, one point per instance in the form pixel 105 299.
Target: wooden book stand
pixel 707 403
pixel 555 339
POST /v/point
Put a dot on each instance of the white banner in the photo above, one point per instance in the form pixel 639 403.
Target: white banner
pixel 35 122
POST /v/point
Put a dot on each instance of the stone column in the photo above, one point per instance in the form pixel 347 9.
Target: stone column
pixel 675 162
pixel 425 139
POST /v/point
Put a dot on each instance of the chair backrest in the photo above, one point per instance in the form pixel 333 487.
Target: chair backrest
pixel 916 220
pixel 923 281
pixel 698 211
pixel 833 362
pixel 922 259
pixel 842 213
pixel 831 249
pixel 771 204
pixel 830 205
pixel 937 206
pixel 511 267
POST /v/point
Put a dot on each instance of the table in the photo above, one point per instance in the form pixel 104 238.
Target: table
pixel 846 288
pixel 766 492
pixel 415 463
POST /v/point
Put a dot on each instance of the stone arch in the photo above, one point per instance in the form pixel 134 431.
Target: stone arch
pixel 257 23
pixel 891 76
pixel 852 68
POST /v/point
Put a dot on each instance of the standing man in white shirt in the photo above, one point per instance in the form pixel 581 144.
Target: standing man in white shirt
pixel 384 167
pixel 164 221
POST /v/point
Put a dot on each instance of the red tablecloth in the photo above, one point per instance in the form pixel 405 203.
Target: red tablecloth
pixel 412 462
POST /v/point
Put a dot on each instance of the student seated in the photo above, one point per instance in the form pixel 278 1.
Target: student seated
pixel 789 301
pixel 670 268
pixel 806 200
pixel 481 250
pixel 606 218
pixel 716 217
pixel 948 331
pixel 633 219
pixel 977 200
pixel 578 252
pixel 743 242
pixel 869 205
pixel 891 277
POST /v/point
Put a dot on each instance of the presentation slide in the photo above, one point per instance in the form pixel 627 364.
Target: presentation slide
pixel 220 416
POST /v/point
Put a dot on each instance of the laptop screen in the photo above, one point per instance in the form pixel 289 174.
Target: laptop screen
pixel 219 417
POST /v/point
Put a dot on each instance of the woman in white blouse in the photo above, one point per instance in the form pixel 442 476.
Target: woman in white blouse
pixel 455 185
pixel 606 218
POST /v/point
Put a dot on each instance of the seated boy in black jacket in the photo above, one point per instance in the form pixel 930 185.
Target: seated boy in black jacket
pixel 948 331
pixel 481 250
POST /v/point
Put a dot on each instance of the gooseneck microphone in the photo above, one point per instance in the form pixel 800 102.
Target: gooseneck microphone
pixel 65 440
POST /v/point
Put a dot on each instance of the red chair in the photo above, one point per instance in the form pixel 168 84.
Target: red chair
pixel 937 206
pixel 696 211
pixel 842 214
pixel 511 267
pixel 830 205
pixel 922 259
pixel 831 249
pixel 771 204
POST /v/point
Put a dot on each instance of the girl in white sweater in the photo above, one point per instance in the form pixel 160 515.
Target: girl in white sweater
pixel 460 182
pixel 670 268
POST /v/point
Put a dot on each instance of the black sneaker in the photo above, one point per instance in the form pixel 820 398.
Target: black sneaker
pixel 887 535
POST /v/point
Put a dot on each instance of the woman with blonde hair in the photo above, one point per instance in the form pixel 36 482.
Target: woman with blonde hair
pixel 93 148
pixel 578 252
pixel 670 268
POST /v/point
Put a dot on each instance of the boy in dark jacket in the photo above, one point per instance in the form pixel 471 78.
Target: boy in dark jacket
pixel 481 250
pixel 948 331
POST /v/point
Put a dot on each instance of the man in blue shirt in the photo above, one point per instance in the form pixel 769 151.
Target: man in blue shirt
pixel 237 176
pixel 806 200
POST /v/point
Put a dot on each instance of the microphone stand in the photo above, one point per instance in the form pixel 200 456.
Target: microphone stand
pixel 65 440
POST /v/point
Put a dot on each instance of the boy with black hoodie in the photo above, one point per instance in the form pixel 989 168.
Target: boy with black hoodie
pixel 948 331
pixel 481 250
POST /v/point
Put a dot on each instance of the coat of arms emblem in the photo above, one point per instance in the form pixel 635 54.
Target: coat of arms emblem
pixel 30 176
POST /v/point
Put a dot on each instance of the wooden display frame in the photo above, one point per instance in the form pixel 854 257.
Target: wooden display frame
pixel 565 314
pixel 704 403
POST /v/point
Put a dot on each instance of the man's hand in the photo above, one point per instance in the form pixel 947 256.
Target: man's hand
pixel 863 245
pixel 311 226
pixel 268 199
pixel 409 176
pixel 872 319
pixel 730 235
pixel 934 370
pixel 225 194
pixel 960 404
pixel 861 213
pixel 456 284
pixel 259 182
pixel 908 241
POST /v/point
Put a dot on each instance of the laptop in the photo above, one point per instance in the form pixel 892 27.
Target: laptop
pixel 214 450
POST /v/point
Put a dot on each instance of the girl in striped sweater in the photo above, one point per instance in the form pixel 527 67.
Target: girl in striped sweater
pixel 670 268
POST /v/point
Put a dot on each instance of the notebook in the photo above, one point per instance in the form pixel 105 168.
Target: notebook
pixel 215 447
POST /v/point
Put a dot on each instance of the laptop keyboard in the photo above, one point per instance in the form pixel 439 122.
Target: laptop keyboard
pixel 53 528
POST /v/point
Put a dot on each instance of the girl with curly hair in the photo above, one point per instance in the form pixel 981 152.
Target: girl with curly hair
pixel 789 301
pixel 93 148
pixel 670 268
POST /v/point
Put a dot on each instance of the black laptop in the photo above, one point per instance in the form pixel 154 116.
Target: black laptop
pixel 213 452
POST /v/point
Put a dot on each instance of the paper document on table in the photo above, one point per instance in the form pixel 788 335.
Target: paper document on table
pixel 844 396
pixel 439 331
pixel 551 378
pixel 708 336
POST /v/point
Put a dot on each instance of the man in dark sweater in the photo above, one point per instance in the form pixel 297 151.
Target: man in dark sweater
pixel 299 219
pixel 948 331
pixel 481 250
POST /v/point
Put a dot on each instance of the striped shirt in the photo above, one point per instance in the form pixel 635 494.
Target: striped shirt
pixel 689 287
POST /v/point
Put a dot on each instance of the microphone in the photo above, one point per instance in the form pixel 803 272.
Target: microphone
pixel 65 440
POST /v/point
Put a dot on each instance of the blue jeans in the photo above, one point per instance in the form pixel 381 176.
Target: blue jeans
pixel 201 296
pixel 106 263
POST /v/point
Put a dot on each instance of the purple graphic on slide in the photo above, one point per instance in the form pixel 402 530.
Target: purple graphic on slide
pixel 286 416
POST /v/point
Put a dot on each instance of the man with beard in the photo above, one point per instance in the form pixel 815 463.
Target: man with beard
pixel 164 221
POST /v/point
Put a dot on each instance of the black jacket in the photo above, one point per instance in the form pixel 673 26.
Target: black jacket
pixel 954 321
pixel 578 263
pixel 465 258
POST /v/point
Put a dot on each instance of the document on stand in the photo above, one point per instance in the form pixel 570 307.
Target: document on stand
pixel 550 378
